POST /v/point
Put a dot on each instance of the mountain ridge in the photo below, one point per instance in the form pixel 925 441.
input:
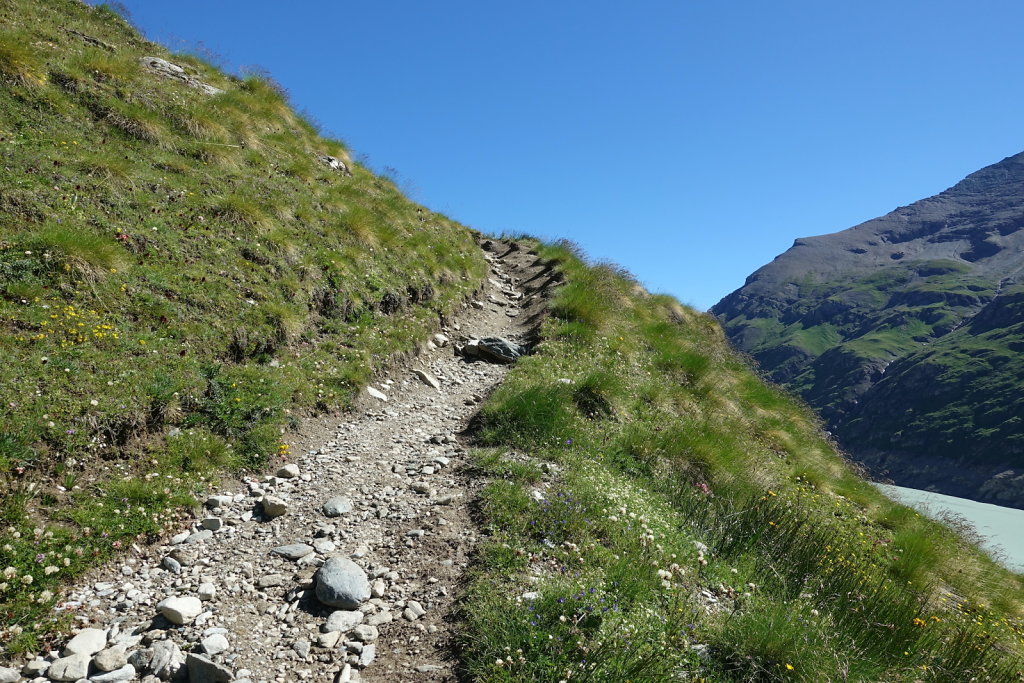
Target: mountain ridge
pixel 839 317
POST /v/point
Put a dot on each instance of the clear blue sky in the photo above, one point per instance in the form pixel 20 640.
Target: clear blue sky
pixel 690 140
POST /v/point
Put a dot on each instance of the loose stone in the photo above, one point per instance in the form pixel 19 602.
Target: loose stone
pixel 380 618
pixel 274 506
pixel 427 379
pixel 111 659
pixel 180 610
pixel 301 648
pixel 337 506
pixel 342 583
pixel 293 551
pixel 69 668
pixel 89 641
pixel 215 644
pixel 367 656
pixel 199 537
pixel 165 659
pixel 203 670
pixel 365 633
pixel 343 620
pixel 288 471
pixel 218 501
pixel 124 673
pixel 37 667
pixel 270 580
pixel 413 611
pixel 328 640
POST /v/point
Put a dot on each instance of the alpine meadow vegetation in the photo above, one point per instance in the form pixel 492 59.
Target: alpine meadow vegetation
pixel 656 511
pixel 182 277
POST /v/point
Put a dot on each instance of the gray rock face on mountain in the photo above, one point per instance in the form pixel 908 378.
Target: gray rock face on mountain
pixel 906 333
pixel 162 67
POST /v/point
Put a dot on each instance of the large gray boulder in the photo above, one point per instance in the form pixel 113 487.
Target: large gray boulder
pixel 494 350
pixel 342 583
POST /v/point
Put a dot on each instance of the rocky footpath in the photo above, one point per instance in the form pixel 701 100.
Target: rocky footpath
pixel 339 566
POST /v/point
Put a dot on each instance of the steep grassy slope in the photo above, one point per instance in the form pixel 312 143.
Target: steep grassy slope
pixel 181 277
pixel 657 512
pixel 905 333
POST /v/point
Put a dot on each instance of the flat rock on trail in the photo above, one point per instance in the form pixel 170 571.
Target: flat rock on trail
pixel 395 474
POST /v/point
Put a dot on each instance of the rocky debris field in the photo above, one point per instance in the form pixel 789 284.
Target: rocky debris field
pixel 340 565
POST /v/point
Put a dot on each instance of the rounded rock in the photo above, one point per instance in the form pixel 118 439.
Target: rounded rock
pixel 89 641
pixel 111 659
pixel 337 506
pixel 365 633
pixel 342 583
pixel 274 506
pixel 180 610
pixel 343 620
pixel 293 551
pixel 288 471
pixel 215 644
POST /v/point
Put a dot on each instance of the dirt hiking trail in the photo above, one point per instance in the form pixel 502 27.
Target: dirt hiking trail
pixel 385 490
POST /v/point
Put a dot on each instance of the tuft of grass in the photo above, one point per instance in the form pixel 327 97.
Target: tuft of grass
pixel 66 249
pixel 20 63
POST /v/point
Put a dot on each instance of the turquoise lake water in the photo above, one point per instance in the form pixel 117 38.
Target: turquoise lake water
pixel 1001 528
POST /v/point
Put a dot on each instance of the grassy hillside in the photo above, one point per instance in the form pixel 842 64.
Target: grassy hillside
pixel 181 277
pixel 657 512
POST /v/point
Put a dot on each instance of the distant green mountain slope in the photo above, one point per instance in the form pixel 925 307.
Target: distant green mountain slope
pixel 906 333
